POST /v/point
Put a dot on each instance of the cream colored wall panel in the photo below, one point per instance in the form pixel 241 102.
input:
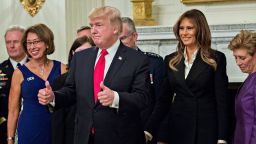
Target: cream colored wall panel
pixel 77 16
pixel 125 6
pixel 167 12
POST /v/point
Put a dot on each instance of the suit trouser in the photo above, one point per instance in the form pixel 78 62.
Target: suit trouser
pixel 91 139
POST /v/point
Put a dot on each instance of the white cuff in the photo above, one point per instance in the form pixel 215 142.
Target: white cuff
pixel 221 142
pixel 53 102
pixel 115 103
pixel 148 135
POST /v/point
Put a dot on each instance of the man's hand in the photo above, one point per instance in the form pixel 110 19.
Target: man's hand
pixel 46 95
pixel 106 96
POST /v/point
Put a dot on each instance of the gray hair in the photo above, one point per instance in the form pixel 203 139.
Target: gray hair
pixel 130 23
pixel 15 28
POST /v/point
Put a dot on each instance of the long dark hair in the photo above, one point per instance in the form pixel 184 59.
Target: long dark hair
pixel 203 38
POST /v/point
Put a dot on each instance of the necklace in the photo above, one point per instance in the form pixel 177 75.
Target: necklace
pixel 41 67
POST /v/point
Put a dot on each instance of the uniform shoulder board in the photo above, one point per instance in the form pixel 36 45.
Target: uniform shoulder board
pixel 4 63
pixel 152 54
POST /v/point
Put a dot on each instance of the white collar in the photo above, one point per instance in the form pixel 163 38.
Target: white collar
pixel 14 63
pixel 111 50
pixel 193 55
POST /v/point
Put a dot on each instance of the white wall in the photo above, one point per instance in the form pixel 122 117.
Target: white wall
pixel 65 16
pixel 166 12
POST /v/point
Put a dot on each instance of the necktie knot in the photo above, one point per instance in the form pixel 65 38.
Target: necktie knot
pixel 104 52
pixel 18 65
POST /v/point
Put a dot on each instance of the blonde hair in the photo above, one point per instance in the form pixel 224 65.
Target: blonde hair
pixel 244 40
pixel 111 13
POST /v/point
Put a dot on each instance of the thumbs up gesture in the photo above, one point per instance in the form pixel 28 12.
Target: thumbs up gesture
pixel 106 96
pixel 45 95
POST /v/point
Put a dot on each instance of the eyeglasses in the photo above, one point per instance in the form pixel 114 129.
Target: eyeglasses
pixel 125 37
pixel 35 43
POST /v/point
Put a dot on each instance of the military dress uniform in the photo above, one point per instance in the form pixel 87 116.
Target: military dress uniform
pixel 6 71
pixel 156 75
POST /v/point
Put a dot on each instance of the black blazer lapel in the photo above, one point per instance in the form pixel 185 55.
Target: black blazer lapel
pixel 180 76
pixel 197 68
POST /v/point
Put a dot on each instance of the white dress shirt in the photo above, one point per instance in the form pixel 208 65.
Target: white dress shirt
pixel 188 65
pixel 109 58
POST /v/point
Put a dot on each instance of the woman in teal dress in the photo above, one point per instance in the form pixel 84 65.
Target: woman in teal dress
pixel 33 122
pixel 243 46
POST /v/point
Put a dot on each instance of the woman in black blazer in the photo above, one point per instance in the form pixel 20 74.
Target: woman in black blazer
pixel 194 90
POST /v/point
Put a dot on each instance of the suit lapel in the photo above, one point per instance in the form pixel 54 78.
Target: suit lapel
pixel 180 76
pixel 115 65
pixel 196 69
pixel 89 72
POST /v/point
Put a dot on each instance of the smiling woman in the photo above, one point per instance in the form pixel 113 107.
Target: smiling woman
pixel 196 82
pixel 33 123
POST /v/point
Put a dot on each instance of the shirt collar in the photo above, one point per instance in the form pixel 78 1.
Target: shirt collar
pixel 111 50
pixel 14 63
pixel 193 55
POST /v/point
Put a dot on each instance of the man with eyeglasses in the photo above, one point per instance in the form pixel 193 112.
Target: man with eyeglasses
pixel 129 37
pixel 17 57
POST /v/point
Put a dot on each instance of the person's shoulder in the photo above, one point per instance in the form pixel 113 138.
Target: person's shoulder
pixel 87 50
pixel 153 55
pixel 217 54
pixel 134 52
pixel 4 63
pixel 171 55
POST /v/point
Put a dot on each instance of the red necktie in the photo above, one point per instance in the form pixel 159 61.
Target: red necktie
pixel 99 73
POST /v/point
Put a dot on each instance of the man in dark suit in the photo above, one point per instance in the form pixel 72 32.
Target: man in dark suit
pixel 129 37
pixel 63 120
pixel 17 56
pixel 111 116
